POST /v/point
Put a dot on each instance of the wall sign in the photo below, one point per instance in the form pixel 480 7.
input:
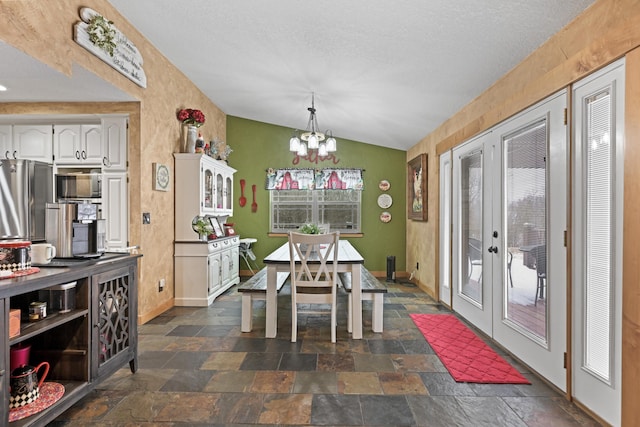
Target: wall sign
pixel 314 179
pixel 99 36
pixel 161 177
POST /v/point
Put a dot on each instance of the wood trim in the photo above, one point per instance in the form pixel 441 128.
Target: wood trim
pixel 158 310
pixel 631 246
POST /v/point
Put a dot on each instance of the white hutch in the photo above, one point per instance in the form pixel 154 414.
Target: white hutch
pixel 203 270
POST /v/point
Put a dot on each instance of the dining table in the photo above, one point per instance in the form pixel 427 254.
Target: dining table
pixel 349 260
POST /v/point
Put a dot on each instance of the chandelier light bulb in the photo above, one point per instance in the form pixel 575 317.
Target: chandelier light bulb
pixel 302 151
pixel 313 141
pixel 331 144
pixel 294 143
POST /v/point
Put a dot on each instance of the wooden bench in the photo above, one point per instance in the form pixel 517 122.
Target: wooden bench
pixel 372 290
pixel 256 289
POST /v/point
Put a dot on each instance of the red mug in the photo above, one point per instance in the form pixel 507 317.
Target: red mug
pixel 19 356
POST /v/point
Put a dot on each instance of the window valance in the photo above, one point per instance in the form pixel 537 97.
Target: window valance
pixel 314 179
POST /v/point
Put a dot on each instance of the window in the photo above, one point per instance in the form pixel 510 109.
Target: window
pixel 338 208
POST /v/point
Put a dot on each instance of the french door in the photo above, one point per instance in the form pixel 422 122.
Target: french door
pixel 509 222
pixel 472 224
pixel 597 236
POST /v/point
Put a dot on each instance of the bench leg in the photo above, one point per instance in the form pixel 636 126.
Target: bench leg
pixel 378 312
pixel 349 314
pixel 247 312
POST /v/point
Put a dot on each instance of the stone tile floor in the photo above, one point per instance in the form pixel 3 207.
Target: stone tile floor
pixel 197 369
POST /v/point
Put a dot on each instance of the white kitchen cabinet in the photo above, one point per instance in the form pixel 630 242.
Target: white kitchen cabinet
pixel 115 209
pixel 214 273
pixel 32 142
pixel 231 267
pixel 204 187
pixel 114 143
pixel 204 270
pixel 77 144
pixel 6 141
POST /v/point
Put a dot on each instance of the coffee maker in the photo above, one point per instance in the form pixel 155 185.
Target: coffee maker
pixel 75 230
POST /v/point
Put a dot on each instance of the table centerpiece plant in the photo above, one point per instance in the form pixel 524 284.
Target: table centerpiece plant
pixel 309 228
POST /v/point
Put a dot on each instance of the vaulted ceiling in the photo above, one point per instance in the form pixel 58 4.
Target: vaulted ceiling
pixel 384 73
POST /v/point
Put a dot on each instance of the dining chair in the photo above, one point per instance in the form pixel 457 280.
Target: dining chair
pixel 540 253
pixel 314 274
pixel 475 257
pixel 509 262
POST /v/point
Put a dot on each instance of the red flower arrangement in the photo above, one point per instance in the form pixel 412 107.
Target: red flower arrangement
pixel 189 116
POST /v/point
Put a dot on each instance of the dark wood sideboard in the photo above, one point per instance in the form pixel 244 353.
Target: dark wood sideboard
pixel 83 346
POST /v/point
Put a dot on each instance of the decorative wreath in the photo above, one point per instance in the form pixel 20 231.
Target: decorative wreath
pixel 102 34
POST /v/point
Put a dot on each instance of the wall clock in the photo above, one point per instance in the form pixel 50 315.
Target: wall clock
pixel 385 201
pixel 161 177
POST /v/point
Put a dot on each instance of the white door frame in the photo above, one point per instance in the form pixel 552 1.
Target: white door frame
pixel 445 229
pixel 601 395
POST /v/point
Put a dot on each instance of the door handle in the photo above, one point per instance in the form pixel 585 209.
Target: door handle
pixel 493 249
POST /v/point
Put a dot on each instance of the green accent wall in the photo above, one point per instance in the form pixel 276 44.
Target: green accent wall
pixel 258 146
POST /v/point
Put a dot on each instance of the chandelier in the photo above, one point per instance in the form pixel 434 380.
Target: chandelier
pixel 312 138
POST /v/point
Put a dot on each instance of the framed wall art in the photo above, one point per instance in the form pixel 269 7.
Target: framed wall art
pixel 417 188
pixel 161 177
pixel 217 228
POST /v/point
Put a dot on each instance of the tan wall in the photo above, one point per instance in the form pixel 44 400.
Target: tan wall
pixel 608 30
pixel 44 30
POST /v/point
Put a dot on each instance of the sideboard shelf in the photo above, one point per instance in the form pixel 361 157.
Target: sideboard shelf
pixel 30 330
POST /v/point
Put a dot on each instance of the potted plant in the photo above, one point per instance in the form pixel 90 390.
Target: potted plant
pixel 203 227
pixel 309 228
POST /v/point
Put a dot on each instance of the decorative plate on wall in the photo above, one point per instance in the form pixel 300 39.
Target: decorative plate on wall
pixel 385 201
pixel 384 185
pixel 385 217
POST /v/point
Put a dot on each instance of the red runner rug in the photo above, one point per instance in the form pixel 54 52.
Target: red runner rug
pixel 463 353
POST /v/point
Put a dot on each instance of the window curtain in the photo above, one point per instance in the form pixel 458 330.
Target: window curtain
pixel 314 179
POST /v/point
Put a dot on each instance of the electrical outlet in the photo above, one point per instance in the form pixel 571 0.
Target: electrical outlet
pixel 161 285
pixel 146 218
pixel 417 266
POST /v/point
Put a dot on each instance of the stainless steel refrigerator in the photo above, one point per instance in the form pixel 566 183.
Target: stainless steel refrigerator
pixel 26 186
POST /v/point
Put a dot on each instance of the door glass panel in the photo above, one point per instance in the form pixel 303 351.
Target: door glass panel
pixel 219 191
pixel 470 283
pixel 525 261
pixel 599 226
pixel 208 189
